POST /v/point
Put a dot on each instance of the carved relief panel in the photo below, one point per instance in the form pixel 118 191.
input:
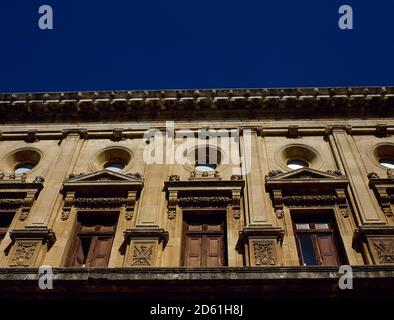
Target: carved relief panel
pixel 382 250
pixel 263 252
pixel 24 253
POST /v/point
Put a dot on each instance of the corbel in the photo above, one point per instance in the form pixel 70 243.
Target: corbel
pixel 68 203
pixel 236 199
pixel 27 204
pixel 130 204
pixel 172 202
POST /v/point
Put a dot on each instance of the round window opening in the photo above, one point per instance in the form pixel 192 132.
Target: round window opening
pixel 205 159
pixel 115 166
pixel 24 168
pixel 208 167
pixel 384 154
pixel 388 163
pixel 21 161
pixel 115 159
pixel 296 164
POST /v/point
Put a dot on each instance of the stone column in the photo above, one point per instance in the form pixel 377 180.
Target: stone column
pixel 32 242
pixel 60 165
pixel 261 239
pixel 143 240
pixel 374 235
pixel 355 170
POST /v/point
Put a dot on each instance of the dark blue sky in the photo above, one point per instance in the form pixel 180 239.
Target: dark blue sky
pixel 175 44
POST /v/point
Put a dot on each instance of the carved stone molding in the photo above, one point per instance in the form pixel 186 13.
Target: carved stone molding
pixel 172 203
pixel 130 204
pixel 294 102
pixel 198 202
pixel 117 134
pixel 384 190
pixel 101 190
pixel 32 136
pixel 82 133
pixel 143 232
pixel 293 132
pixel 306 200
pixel 19 195
pixel 67 205
pixel 204 194
pixel 294 189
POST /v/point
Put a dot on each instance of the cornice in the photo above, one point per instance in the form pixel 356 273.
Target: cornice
pixel 160 104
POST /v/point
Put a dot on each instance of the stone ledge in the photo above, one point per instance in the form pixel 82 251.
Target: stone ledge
pixel 222 273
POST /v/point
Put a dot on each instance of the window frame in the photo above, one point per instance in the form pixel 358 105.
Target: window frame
pixel 204 233
pixel 312 217
pixel 93 235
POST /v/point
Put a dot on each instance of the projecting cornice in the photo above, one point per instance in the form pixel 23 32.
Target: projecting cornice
pixel 228 103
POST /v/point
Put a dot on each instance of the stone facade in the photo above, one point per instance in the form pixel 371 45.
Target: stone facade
pixel 342 134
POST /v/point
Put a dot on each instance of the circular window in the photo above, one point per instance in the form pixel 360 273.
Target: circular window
pixel 388 163
pixel 296 164
pixel 21 161
pixel 115 159
pixel 384 154
pixel 115 166
pixel 24 168
pixel 206 167
pixel 297 156
pixel 204 159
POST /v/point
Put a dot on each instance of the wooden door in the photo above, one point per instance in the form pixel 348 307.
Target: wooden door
pixel 204 241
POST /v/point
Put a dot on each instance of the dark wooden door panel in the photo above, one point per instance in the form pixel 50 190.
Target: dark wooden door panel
pixel 194 251
pixel 214 251
pixel 101 252
pixel 328 252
